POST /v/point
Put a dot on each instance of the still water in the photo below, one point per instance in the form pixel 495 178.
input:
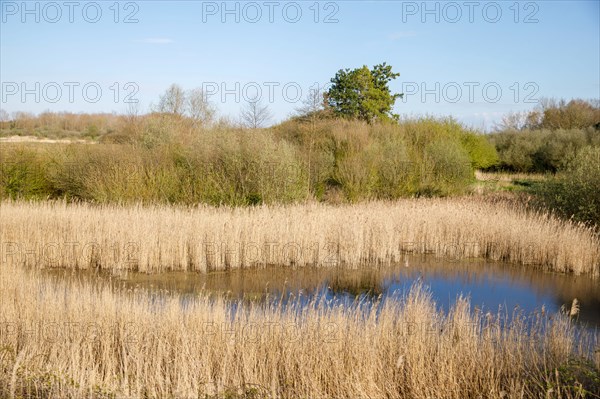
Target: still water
pixel 491 286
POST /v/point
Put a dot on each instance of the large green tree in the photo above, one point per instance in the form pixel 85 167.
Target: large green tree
pixel 363 93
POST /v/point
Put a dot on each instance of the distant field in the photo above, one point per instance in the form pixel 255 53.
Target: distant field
pixel 43 140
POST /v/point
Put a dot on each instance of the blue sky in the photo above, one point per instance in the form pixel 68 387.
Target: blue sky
pixel 472 60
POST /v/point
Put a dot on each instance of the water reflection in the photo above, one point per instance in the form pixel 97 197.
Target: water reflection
pixel 490 285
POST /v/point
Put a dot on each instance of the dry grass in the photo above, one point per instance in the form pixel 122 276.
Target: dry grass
pixel 508 177
pixel 155 239
pixel 76 340
pixel 41 140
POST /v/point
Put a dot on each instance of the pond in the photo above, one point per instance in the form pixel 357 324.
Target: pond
pixel 491 286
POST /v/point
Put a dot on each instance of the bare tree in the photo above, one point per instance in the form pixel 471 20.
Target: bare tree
pixel 23 120
pixel 4 115
pixel 172 101
pixel 512 121
pixel 199 108
pixel 311 105
pixel 132 118
pixel 254 114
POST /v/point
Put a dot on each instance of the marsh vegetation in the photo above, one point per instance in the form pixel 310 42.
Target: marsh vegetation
pixel 80 340
pixel 150 197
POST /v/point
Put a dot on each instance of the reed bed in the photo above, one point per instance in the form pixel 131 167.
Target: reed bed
pixel 153 239
pixel 78 340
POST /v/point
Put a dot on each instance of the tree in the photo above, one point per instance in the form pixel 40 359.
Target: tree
pixel 576 114
pixel 513 121
pixel 132 119
pixel 199 108
pixel 363 93
pixel 172 101
pixel 254 114
pixel 4 116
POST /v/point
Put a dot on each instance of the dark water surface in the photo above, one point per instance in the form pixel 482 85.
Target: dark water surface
pixel 491 286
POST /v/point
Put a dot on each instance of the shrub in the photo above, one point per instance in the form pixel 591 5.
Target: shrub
pixel 445 169
pixel 575 192
pixel 248 168
pixel 483 154
pixel 165 163
pixel 24 174
pixel 539 151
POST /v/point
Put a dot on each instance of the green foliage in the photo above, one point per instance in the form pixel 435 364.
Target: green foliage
pixel 365 161
pixel 236 169
pixel 446 168
pixel 363 94
pixel 575 192
pixel 548 138
pixel 348 161
pixel 481 152
pixel 577 378
pixel 393 167
pixel 539 151
pixel 24 174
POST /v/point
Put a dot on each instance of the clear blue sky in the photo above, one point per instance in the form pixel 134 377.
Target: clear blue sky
pixel 462 52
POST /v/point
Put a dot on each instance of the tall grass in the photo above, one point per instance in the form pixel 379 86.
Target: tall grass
pixel 77 340
pixel 157 238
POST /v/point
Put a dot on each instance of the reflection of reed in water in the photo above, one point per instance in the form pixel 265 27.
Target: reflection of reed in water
pixel 257 284
pixel 164 347
pixel 366 283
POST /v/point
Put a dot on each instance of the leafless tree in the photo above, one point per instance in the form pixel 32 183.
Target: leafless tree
pixel 4 115
pixel 311 105
pixel 199 108
pixel 254 114
pixel 132 118
pixel 172 101
pixel 512 121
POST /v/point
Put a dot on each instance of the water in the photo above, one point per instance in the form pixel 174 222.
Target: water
pixel 491 286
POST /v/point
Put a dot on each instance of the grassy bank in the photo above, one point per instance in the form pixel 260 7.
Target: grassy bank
pixel 73 341
pixel 158 238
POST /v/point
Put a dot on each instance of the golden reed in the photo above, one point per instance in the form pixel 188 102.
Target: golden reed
pixel 78 339
pixel 161 238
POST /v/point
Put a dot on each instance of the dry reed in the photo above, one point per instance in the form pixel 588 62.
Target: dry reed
pixel 76 340
pixel 508 176
pixel 160 238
